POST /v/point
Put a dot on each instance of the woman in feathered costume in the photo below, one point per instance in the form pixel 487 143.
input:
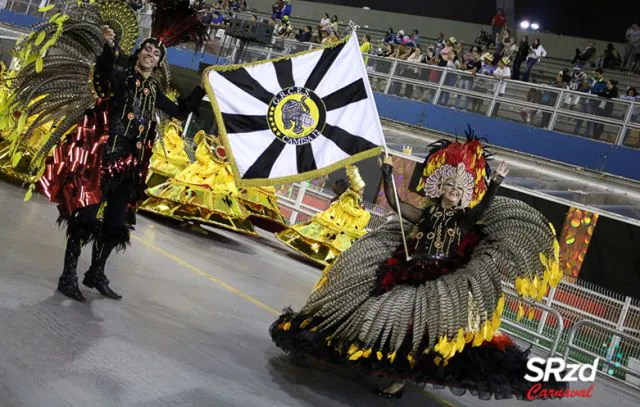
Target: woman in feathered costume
pixel 433 317
pixel 94 164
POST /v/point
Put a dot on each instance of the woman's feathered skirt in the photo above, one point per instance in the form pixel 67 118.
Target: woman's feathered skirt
pixel 433 326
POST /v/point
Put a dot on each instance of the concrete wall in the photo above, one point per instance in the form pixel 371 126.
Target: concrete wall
pixel 558 46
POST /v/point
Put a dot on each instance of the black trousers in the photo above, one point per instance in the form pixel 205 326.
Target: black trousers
pixel 112 225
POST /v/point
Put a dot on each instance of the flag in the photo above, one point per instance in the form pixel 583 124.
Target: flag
pixel 295 118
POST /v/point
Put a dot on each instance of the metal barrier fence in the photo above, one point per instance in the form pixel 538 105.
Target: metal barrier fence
pixel 612 121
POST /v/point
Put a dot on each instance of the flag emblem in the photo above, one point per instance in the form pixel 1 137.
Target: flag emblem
pixel 295 118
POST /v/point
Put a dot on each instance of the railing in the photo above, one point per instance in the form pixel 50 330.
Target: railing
pixel 611 121
pixel 633 366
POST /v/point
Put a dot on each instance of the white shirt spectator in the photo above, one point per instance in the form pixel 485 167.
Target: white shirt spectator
pixel 502 73
pixel 633 35
pixel 537 53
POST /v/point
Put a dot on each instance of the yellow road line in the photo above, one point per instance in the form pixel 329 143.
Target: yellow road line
pixel 208 276
pixel 443 402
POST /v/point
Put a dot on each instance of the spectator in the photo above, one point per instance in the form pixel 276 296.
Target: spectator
pixel 501 73
pixel 533 96
pixel 471 65
pixel 385 50
pixel 505 40
pixel 487 67
pixel 334 24
pixel 286 10
pixel 633 45
pixel 440 44
pixel 305 35
pixel 582 57
pixel 415 37
pixel 276 9
pixel 536 52
pixel 549 98
pixel 483 40
pixel 448 51
pixel 610 59
pixel 449 60
pixel 521 56
pixel 286 28
pixel 366 47
pixel 332 38
pixel 590 105
pixel 605 108
pixel 632 138
pixel 390 37
pixel 325 23
pixel 498 23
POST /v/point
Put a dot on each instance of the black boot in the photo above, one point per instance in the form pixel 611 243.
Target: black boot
pixel 95 277
pixel 68 281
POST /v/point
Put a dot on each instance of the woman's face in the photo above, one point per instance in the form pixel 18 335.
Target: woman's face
pixel 149 57
pixel 452 193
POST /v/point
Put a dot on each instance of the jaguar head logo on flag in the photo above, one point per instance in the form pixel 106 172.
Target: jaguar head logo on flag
pixel 296 115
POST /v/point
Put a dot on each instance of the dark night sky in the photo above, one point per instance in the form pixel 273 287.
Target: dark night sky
pixel 599 19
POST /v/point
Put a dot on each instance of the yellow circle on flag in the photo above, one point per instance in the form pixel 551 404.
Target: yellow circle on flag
pixel 296 115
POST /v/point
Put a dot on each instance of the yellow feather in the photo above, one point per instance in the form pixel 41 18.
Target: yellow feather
pixel 500 307
pixel 477 339
pixel 520 313
pixel 356 355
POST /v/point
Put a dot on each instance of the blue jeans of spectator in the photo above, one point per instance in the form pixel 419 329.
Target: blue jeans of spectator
pixel 466 83
pixel 450 80
pixel 530 63
pixel 588 106
pixel 515 74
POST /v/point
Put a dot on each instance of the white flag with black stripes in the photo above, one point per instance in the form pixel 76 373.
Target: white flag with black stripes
pixel 297 117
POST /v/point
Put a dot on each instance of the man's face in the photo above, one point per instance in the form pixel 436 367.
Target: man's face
pixel 149 57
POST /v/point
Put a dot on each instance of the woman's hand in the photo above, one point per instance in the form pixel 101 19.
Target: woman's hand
pixel 386 160
pixel 109 36
pixel 501 171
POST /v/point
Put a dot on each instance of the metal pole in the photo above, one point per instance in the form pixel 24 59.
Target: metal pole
pixel 493 100
pixel 615 341
pixel 302 190
pixel 543 318
pixel 392 72
pixel 554 115
pixel 625 125
pixel 436 97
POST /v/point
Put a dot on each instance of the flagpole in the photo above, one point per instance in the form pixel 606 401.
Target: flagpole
pixel 398 211
pixel 354 28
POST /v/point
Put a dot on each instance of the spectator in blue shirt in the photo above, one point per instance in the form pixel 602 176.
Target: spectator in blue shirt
pixel 390 37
